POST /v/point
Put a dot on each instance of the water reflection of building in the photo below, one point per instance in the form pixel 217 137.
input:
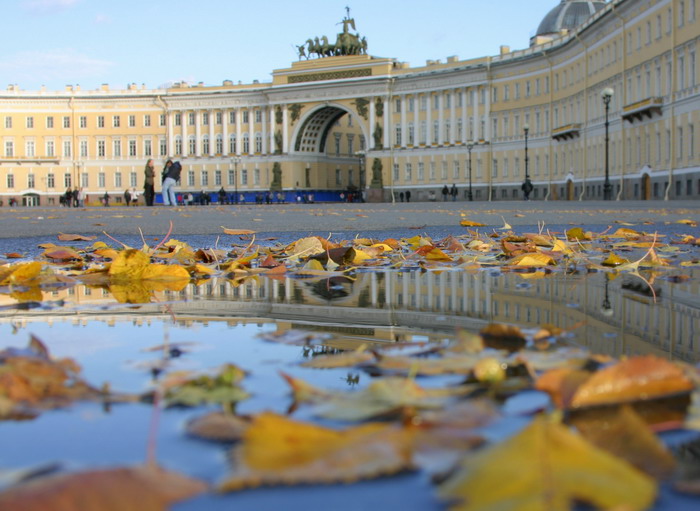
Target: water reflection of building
pixel 617 316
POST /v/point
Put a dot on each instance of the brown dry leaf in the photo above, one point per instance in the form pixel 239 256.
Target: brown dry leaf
pixel 146 488
pixel 62 254
pixel 385 397
pixel 75 237
pixel 13 255
pixel 503 337
pixel 349 359
pixel 31 378
pixel 623 433
pixel 635 379
pixel 622 232
pixel 218 427
pixel 277 450
pixel 561 384
pixel 237 232
pixel 547 467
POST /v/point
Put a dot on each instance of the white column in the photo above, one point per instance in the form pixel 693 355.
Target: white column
pixel 477 115
pixel 263 118
pixel 387 123
pixel 171 134
pixel 453 116
pixel 212 141
pixel 487 113
pixel 416 120
pixel 197 133
pixel 372 119
pixel 429 121
pixel 404 130
pixel 285 130
pixel 465 126
pixel 441 118
pixel 183 122
pixel 271 136
pixel 251 131
pixel 224 130
pixel 239 140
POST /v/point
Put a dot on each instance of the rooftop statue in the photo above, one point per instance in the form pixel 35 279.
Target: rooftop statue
pixel 346 43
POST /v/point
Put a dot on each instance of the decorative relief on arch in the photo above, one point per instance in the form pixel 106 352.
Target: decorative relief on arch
pixel 361 106
pixel 295 110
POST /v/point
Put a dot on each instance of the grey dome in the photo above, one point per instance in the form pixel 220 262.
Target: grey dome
pixel 569 14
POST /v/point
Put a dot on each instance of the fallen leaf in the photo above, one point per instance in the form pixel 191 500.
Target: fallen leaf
pixel 146 488
pixel 277 450
pixel 635 379
pixel 237 232
pixel 546 467
pixel 75 237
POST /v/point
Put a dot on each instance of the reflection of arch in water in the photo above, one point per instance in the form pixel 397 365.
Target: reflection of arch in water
pixel 312 131
pixel 338 290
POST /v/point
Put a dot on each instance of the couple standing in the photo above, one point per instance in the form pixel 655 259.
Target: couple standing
pixel 171 175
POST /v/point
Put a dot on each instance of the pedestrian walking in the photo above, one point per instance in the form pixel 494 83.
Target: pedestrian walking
pixel 453 192
pixel 149 190
pixel 527 188
pixel 171 177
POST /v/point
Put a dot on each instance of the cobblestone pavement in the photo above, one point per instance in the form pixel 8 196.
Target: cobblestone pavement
pixel 21 222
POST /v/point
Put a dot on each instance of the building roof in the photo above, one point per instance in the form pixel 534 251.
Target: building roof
pixel 568 15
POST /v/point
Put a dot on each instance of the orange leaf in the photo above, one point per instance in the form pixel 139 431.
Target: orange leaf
pixel 561 384
pixel 75 237
pixel 146 488
pixel 635 379
pixel 277 450
pixel 237 232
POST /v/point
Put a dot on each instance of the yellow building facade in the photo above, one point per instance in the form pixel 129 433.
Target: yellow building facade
pixel 339 120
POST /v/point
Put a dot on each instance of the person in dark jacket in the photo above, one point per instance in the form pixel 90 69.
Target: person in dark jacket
pixel 172 176
pixel 149 190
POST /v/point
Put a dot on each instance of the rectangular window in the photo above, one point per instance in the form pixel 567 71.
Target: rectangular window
pixel 409 173
pixel 231 176
pixel 244 177
pixel 10 181
pixel 67 180
pixel 132 121
pixel 190 177
pixel 163 147
pixel 49 122
pixel 67 149
pixel 116 121
pixel 421 171
pixel 147 121
pixel 232 117
pixel 50 148
pixel 217 177
pixel 205 178
pixel 9 149
pixel 31 182
pixel 117 148
pixel 85 180
pixel 190 118
pixel 51 180
pixel 101 149
pixel 29 149
pixel 256 176
pixel 178 119
pixel 147 148
pixel 118 179
pixel 162 120
pixel 101 180
pixel 66 121
pixel 30 122
pixel 258 115
pixel 245 116
pixel 100 121
pixel 219 118
pixel 396 172
pixel 8 122
pixel 133 178
pixel 205 118
pixel 83 121
pixel 132 147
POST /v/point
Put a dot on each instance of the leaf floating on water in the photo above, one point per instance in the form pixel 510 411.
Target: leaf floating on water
pixel 635 379
pixel 146 488
pixel 218 427
pixel 546 467
pixel 237 232
pixel 277 450
pixel 75 237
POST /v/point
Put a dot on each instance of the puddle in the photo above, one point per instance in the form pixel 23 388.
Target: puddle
pixel 223 321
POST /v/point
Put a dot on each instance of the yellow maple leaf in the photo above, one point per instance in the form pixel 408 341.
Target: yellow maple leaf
pixel 547 467
pixel 470 223
pixel 535 259
pixel 278 450
pixel 23 273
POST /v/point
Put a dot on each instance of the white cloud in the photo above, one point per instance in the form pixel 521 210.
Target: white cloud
pixel 44 6
pixel 67 65
pixel 102 18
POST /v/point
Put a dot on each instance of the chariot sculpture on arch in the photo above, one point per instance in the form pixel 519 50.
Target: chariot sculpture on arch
pixel 346 43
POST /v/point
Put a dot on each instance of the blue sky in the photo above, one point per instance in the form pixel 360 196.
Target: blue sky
pixel 155 42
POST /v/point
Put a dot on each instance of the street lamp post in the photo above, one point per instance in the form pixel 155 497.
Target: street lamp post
pixel 235 161
pixel 607 95
pixel 470 146
pixel 526 128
